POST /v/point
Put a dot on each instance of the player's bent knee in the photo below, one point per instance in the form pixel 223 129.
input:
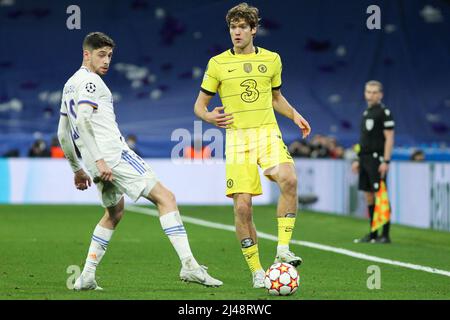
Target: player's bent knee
pixel 289 183
pixel 161 196
pixel 171 199
pixel 167 199
pixel 243 209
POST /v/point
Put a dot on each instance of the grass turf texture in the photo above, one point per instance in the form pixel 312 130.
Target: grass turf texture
pixel 38 243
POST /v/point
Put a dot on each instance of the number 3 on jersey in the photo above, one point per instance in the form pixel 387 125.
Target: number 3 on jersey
pixel 251 94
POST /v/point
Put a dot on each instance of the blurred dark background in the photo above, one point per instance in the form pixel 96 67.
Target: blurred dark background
pixel 163 47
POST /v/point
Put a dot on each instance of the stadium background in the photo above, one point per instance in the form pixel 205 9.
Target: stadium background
pixel 162 49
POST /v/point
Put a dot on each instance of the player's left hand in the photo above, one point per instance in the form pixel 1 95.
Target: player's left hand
pixel 303 124
pixel 82 180
pixel 383 169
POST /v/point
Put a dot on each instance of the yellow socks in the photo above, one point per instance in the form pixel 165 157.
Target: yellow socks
pixel 251 255
pixel 285 228
pixel 250 249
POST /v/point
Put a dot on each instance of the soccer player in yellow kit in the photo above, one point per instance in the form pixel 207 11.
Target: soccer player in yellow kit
pixel 248 80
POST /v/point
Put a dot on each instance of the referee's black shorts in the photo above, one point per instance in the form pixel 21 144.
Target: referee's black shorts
pixel 369 177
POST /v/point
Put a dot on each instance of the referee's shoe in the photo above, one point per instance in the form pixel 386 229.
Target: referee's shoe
pixel 368 238
pixel 383 239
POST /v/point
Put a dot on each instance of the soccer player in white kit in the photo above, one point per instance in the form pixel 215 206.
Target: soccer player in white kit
pixel 88 120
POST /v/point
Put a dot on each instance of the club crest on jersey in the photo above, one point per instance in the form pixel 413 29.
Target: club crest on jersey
pixel 369 124
pixel 262 68
pixel 248 67
pixel 90 87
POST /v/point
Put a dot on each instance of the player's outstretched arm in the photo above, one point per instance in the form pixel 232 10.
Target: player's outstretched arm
pixel 283 107
pixel 215 117
pixel 87 136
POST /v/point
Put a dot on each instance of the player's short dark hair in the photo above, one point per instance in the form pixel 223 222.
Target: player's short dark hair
pixel 243 11
pixel 97 40
pixel 375 83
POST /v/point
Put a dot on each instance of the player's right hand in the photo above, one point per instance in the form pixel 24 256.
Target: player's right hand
pixel 105 172
pixel 355 167
pixel 221 120
pixel 82 180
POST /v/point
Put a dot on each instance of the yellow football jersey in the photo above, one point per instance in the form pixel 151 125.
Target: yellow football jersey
pixel 245 83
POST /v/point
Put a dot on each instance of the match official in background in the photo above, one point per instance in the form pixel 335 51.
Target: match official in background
pixel 376 144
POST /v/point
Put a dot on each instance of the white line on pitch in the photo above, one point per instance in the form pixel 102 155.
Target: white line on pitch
pixel 262 235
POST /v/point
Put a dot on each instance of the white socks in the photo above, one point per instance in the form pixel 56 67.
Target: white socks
pixel 99 243
pixel 174 229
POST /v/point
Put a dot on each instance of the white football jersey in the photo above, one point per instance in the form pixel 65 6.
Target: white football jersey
pixel 86 87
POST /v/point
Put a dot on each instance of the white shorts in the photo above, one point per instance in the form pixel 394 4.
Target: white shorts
pixel 131 176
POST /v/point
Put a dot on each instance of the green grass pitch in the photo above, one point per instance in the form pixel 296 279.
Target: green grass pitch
pixel 38 243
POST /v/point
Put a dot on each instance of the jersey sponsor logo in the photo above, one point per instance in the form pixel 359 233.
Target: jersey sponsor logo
pixel 248 67
pixel 369 124
pixel 251 94
pixel 230 183
pixel 90 87
pixel 262 68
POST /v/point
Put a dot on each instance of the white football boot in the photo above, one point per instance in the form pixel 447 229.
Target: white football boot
pixel 258 278
pixel 86 281
pixel 288 257
pixel 199 275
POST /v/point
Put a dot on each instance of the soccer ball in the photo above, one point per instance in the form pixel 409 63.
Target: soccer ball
pixel 282 279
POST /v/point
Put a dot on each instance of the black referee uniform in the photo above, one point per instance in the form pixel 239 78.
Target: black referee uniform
pixel 375 120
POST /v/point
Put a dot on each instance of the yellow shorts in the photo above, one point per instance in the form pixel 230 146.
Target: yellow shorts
pixel 246 150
